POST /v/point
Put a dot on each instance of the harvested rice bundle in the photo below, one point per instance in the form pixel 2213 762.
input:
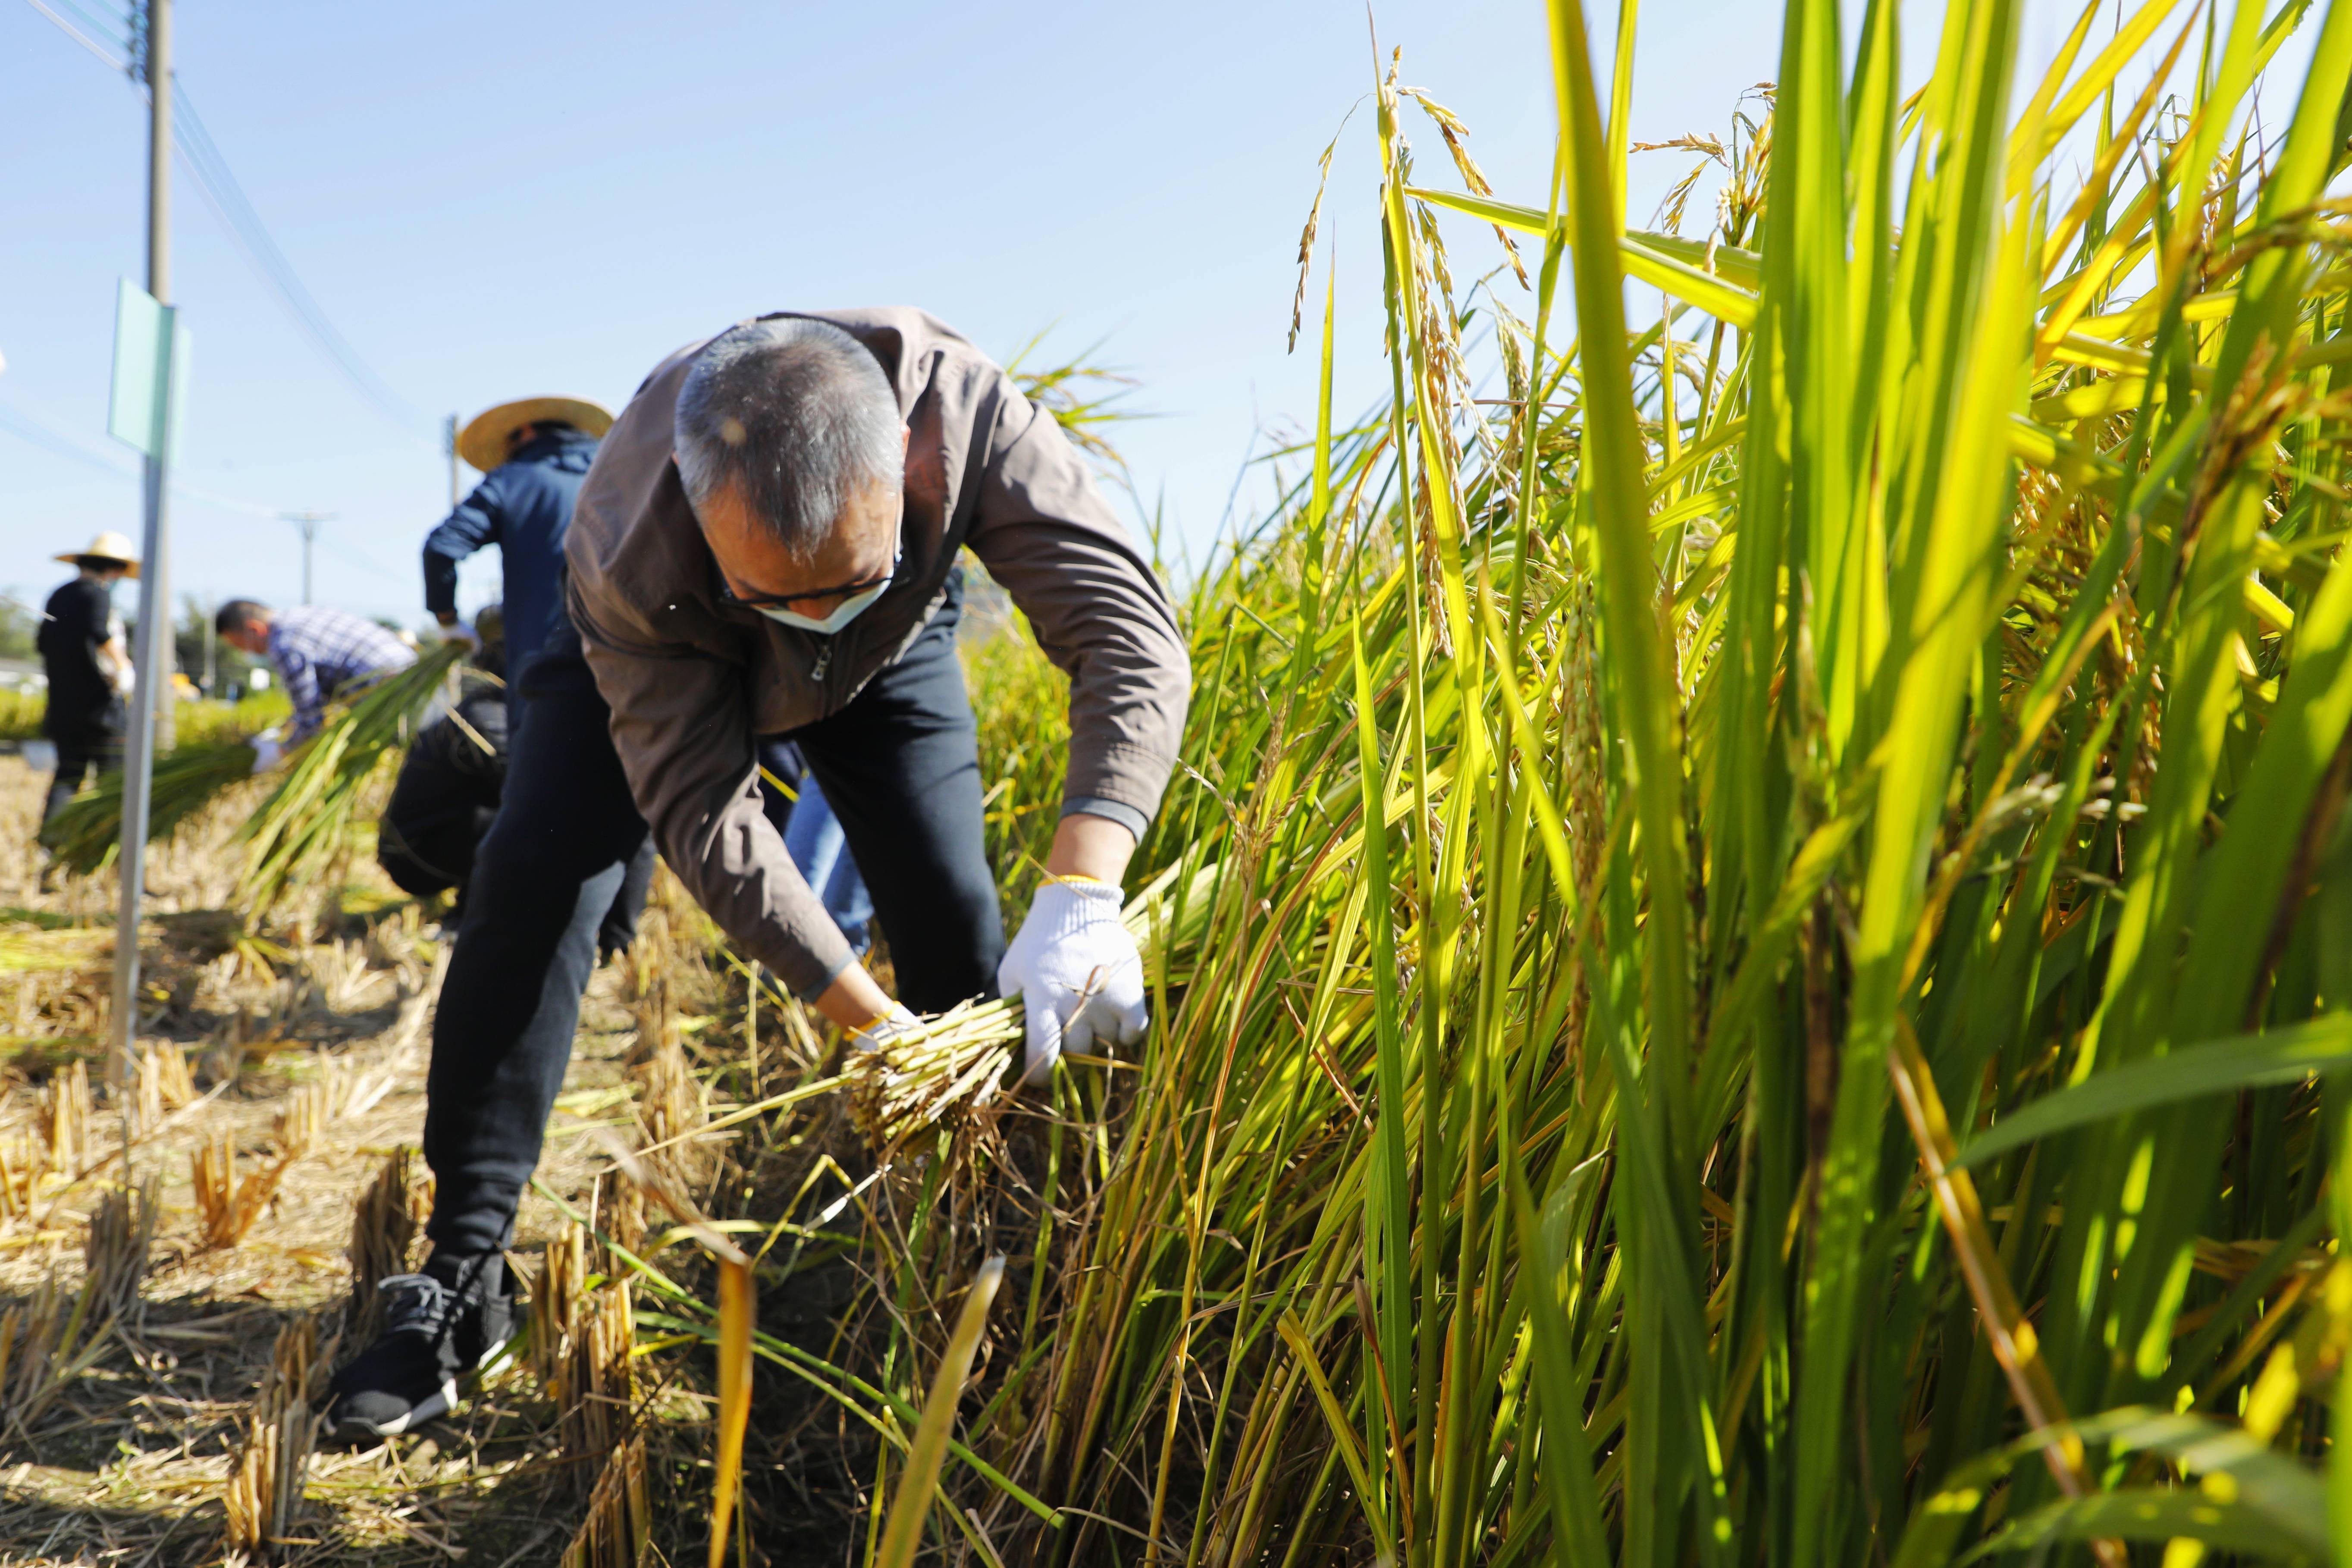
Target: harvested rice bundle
pixel 387 1217
pixel 956 1063
pixel 304 824
pixel 265 1480
pixel 87 830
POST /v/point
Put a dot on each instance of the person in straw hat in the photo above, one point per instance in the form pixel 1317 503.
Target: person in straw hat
pixel 533 453
pixel 89 666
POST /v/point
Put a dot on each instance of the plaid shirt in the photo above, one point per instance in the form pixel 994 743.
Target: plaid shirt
pixel 317 649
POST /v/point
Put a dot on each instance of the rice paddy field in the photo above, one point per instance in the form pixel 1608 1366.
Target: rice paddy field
pixel 1750 950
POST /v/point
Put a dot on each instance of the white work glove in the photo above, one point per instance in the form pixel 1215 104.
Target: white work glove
pixel 877 1032
pixel 1077 972
pixel 266 751
pixel 460 631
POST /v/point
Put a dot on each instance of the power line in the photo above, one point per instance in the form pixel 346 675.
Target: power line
pixel 35 431
pixel 228 199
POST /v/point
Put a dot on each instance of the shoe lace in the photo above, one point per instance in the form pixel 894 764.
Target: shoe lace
pixel 418 1304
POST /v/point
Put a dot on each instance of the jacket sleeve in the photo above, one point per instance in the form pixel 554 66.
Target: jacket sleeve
pixel 1045 532
pixel 681 722
pixel 474 524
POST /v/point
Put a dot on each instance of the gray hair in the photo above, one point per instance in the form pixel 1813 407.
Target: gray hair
pixel 795 417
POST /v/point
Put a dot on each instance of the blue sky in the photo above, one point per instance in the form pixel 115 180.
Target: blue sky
pixel 490 201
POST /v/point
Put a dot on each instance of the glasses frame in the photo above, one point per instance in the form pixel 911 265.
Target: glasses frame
pixel 778 601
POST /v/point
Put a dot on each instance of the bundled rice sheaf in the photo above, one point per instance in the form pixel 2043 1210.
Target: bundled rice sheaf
pixel 304 824
pixel 957 1064
pixel 86 834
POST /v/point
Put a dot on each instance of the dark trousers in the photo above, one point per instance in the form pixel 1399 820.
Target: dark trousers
pixel 76 759
pixel 901 764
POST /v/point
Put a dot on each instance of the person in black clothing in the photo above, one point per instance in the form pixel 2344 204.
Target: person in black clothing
pixel 89 667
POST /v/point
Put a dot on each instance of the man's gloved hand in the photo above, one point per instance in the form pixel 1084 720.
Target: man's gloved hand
pixel 1077 972
pixel 266 751
pixel 877 1032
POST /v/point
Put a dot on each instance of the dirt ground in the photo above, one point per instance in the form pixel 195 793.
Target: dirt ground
pixel 127 1464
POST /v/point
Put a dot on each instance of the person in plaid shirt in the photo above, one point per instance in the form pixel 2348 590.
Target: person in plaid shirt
pixel 316 650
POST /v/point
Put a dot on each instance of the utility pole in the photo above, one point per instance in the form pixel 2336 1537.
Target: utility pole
pixel 150 713
pixel 308 521
pixel 449 445
pixel 159 283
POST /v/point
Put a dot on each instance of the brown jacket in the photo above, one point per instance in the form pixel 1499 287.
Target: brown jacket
pixel 691 678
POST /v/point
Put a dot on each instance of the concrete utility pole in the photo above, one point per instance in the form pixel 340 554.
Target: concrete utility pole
pixel 308 521
pixel 159 283
pixel 151 711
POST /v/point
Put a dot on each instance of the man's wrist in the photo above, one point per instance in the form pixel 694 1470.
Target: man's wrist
pixel 1092 847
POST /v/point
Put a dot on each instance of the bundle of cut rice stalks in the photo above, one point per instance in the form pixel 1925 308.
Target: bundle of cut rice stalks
pixel 305 824
pixel 87 832
pixel 956 1064
pixel 266 1477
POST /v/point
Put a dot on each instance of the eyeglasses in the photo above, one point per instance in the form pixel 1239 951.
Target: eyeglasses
pixel 778 601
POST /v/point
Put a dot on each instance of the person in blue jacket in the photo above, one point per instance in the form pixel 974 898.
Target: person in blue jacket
pixel 533 453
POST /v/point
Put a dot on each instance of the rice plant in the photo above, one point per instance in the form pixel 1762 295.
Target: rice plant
pixel 1772 902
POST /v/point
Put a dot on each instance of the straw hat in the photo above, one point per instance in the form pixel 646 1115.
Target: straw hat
pixel 108 546
pixel 483 442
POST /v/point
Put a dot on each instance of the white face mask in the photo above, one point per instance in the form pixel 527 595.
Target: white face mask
pixel 843 614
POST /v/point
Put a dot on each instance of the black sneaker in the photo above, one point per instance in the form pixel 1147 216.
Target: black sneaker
pixel 454 1318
